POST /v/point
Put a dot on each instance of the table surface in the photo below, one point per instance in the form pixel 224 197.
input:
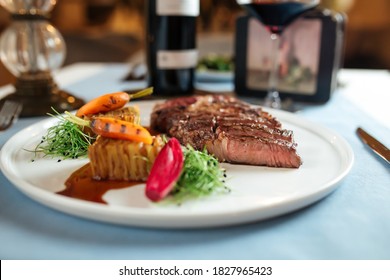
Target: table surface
pixel 351 223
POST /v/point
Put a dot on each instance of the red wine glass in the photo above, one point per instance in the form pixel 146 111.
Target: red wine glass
pixel 276 15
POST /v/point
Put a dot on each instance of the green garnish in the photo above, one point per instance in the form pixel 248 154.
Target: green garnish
pixel 65 140
pixel 201 176
pixel 216 62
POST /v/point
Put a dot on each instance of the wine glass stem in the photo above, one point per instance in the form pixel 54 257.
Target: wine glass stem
pixel 272 99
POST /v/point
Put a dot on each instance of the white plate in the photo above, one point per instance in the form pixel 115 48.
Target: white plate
pixel 257 192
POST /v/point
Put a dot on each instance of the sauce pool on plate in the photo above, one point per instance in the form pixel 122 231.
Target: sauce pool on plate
pixel 81 185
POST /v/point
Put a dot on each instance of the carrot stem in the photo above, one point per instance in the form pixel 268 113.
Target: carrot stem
pixel 74 119
pixel 142 93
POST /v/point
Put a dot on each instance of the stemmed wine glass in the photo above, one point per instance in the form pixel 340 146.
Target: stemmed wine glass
pixel 276 15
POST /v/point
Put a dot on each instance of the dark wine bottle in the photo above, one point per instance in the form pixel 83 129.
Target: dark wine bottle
pixel 171 45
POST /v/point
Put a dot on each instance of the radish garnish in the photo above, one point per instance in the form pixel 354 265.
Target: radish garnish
pixel 166 171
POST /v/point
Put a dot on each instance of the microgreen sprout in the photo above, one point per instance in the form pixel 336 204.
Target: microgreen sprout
pixel 65 140
pixel 202 175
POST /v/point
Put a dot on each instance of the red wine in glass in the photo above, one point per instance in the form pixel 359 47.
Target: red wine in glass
pixel 276 15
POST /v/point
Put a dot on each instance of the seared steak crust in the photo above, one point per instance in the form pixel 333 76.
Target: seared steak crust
pixel 232 130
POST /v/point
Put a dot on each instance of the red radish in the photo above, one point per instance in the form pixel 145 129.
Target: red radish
pixel 165 172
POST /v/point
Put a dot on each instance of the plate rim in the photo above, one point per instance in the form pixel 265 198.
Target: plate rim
pixel 135 215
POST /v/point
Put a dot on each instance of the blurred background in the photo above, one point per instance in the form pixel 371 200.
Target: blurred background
pixel 113 30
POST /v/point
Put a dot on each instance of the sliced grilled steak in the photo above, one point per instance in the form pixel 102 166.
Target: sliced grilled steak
pixel 230 129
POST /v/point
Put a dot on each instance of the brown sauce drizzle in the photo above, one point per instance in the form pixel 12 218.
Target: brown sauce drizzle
pixel 81 185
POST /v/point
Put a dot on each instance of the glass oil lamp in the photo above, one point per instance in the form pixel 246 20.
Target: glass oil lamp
pixel 31 49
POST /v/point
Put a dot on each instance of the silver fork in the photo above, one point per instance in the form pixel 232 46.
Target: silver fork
pixel 9 113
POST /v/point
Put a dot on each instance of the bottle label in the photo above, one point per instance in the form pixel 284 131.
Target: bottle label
pixel 177 8
pixel 182 59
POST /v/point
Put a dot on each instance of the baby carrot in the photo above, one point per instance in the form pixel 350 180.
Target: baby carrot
pixel 118 129
pixel 110 101
pixel 104 103
pixel 114 128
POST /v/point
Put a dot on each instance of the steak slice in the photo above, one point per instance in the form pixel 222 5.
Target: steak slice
pixel 230 129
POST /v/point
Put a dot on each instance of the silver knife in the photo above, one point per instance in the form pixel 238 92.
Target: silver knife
pixel 374 144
